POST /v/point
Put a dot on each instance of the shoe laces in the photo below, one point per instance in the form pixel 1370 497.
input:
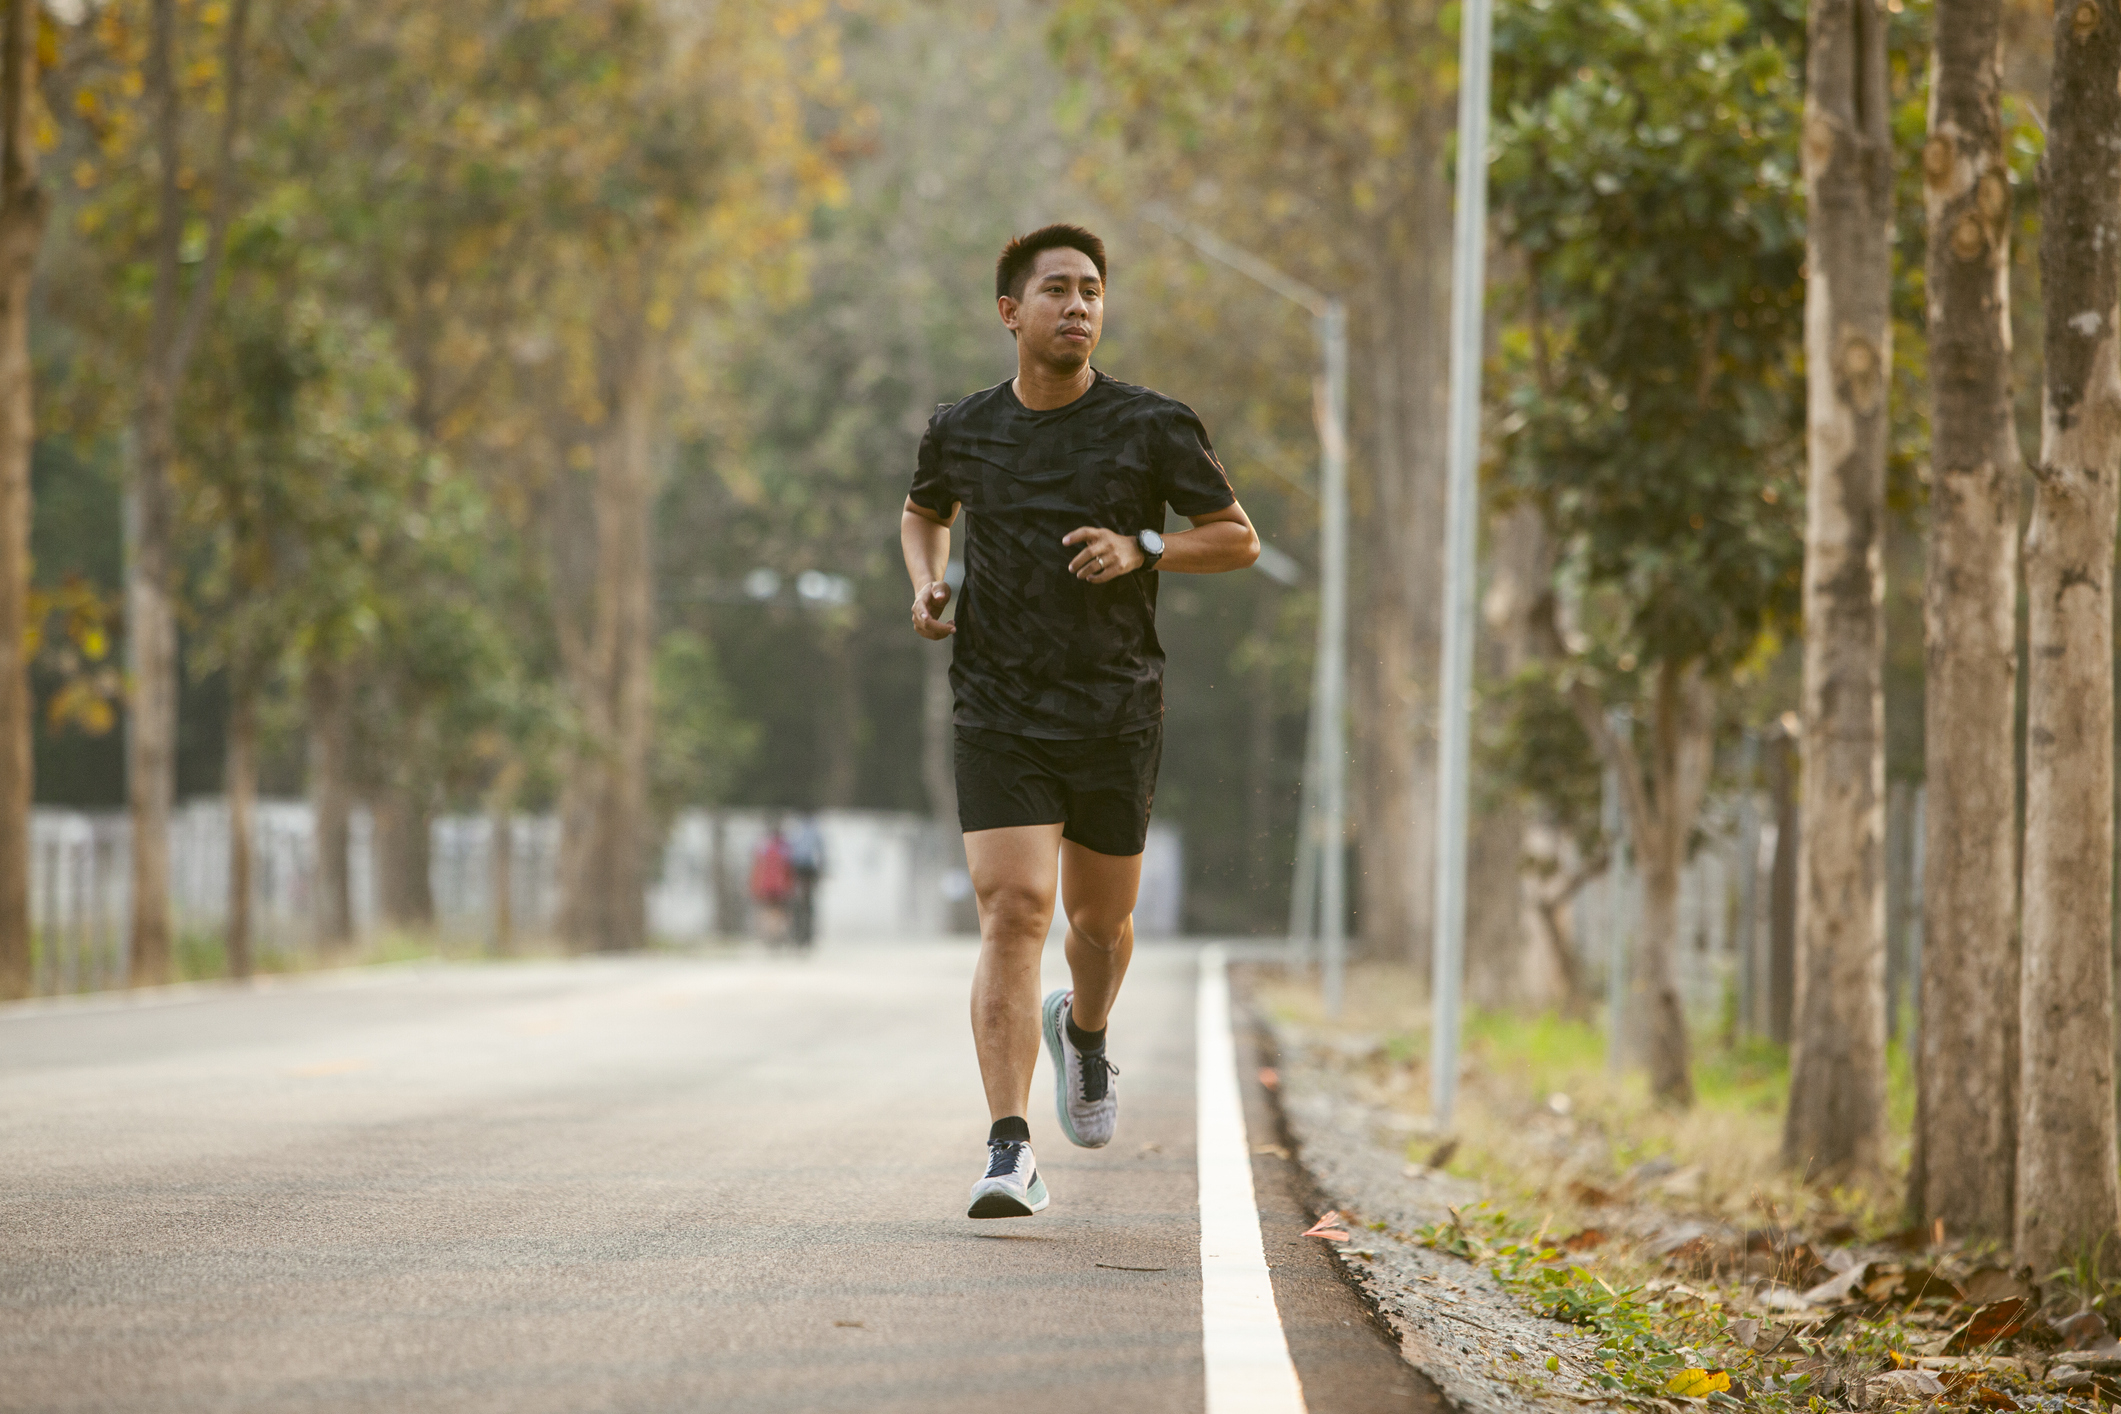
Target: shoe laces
pixel 1002 1156
pixel 1097 1073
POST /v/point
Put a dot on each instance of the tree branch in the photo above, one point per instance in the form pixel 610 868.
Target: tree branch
pixel 224 205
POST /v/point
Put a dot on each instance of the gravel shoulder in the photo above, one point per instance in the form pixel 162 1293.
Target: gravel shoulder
pixel 1454 1322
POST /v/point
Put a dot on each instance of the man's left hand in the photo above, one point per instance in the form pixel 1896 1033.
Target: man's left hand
pixel 1104 555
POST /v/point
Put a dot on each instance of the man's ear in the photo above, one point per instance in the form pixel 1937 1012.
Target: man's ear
pixel 1007 306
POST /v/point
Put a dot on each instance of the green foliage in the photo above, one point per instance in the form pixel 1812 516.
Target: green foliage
pixel 701 742
pixel 1638 1350
pixel 1652 386
pixel 1539 749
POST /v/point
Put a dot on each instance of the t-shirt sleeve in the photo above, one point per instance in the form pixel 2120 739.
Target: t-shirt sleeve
pixel 931 483
pixel 1190 479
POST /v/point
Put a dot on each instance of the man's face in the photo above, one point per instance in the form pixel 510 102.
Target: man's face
pixel 1062 312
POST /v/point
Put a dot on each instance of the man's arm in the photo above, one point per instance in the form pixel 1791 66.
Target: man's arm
pixel 1219 541
pixel 924 537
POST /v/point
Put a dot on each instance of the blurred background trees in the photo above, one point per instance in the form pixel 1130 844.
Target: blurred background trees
pixel 499 406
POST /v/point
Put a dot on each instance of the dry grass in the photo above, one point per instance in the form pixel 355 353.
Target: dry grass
pixel 1548 1130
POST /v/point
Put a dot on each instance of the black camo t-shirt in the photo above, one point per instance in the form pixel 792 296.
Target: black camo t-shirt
pixel 1039 652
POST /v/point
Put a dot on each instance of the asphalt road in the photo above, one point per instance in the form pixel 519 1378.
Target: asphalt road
pixel 633 1184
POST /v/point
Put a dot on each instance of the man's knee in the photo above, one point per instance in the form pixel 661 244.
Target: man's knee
pixel 1013 912
pixel 1100 928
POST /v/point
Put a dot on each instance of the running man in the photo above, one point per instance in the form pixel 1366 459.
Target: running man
pixel 1057 673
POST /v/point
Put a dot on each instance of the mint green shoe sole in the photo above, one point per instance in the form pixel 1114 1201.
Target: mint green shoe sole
pixel 996 1203
pixel 1056 1048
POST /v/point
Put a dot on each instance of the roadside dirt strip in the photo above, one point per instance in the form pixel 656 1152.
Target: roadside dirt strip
pixel 1454 1324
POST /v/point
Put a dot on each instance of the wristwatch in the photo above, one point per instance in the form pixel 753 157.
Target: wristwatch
pixel 1152 548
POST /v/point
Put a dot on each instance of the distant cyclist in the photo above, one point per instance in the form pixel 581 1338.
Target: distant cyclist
pixel 1057 673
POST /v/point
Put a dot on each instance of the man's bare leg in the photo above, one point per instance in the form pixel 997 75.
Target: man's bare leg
pixel 1098 891
pixel 1014 874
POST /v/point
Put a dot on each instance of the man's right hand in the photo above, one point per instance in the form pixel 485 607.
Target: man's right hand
pixel 927 608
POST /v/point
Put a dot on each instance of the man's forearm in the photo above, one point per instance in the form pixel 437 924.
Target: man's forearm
pixel 1210 549
pixel 927 549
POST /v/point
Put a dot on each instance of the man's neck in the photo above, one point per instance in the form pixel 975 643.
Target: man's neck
pixel 1043 389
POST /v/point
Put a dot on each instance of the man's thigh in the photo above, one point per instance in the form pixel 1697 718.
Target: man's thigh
pixel 1017 866
pixel 1098 889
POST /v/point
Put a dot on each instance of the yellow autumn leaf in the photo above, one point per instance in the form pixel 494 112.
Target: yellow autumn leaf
pixel 1697 1384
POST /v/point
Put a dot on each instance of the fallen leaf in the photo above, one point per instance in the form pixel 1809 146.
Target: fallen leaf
pixel 1697 1384
pixel 1270 1077
pixel 1329 1227
pixel 1441 1154
pixel 1926 1284
pixel 1745 1330
pixel 856 1325
pixel 1903 1385
pixel 1590 1194
pixel 1275 1149
pixel 1781 1298
pixel 1584 1241
pixel 1987 1285
pixel 1999 1320
pixel 1989 1397
pixel 1840 1288
pixel 2084 1331
pixel 1115 1267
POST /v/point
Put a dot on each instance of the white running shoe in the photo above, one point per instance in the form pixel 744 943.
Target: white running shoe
pixel 1011 1187
pixel 1084 1094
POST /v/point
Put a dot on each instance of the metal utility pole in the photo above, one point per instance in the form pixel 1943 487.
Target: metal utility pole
pixel 1321 867
pixel 1469 251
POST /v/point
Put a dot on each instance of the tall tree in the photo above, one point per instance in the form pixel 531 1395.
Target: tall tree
pixel 151 575
pixel 1651 404
pixel 1836 1119
pixel 1318 136
pixel 23 208
pixel 1966 1081
pixel 2066 1146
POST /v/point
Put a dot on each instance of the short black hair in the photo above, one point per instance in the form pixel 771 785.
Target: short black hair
pixel 1014 268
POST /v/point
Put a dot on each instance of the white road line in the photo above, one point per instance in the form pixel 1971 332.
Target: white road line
pixel 1249 1370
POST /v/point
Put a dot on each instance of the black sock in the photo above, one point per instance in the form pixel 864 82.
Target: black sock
pixel 1085 1040
pixel 1010 1127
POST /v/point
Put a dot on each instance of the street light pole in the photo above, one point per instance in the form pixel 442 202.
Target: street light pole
pixel 1332 655
pixel 1321 883
pixel 1468 286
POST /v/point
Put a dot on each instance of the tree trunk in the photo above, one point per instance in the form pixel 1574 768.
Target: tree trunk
pixel 331 802
pixel 150 591
pixel 605 881
pixel 1965 1133
pixel 1395 791
pixel 501 853
pixel 840 716
pixel 1521 954
pixel 242 801
pixel 1661 805
pixel 1836 1121
pixel 1259 742
pixel 403 854
pixel 1781 772
pixel 2066 1154
pixel 151 689
pixel 23 208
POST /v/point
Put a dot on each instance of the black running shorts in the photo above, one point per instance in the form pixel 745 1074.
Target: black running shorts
pixel 1100 789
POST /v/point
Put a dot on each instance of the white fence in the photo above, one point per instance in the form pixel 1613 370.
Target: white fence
pixel 1723 960
pixel 888 875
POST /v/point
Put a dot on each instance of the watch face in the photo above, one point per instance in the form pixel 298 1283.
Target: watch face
pixel 1152 543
